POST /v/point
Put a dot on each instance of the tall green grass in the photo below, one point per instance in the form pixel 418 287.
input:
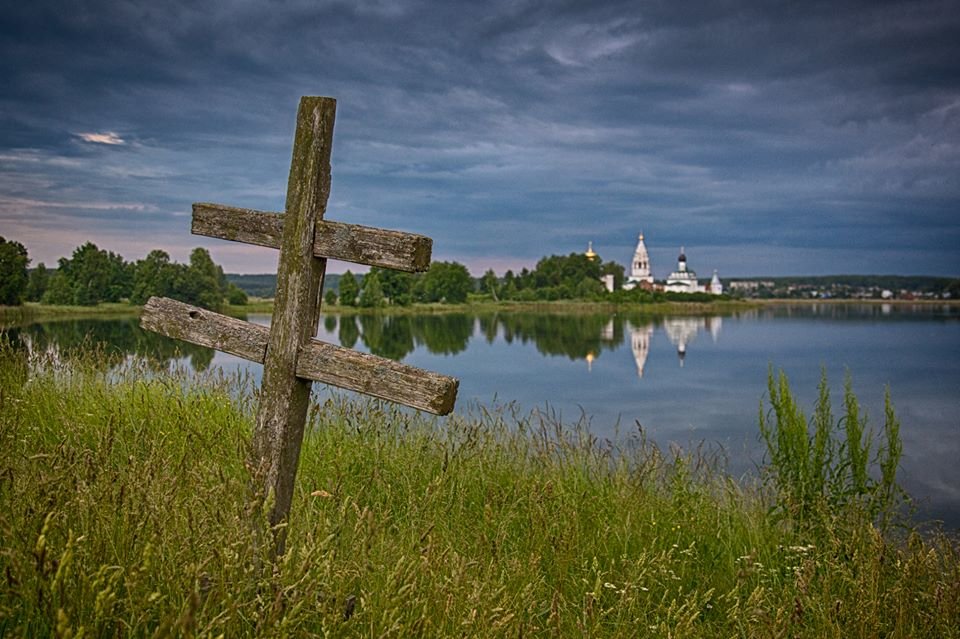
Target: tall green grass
pixel 824 467
pixel 124 511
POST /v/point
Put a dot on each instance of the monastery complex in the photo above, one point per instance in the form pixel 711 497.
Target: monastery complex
pixel 682 280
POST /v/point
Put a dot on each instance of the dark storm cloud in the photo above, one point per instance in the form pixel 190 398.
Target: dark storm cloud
pixel 752 133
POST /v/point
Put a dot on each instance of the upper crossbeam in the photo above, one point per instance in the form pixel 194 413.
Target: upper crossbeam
pixel 347 242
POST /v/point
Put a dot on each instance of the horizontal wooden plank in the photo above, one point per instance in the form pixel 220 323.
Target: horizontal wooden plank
pixel 336 240
pixel 206 328
pixel 377 376
pixel 317 361
pixel 237 225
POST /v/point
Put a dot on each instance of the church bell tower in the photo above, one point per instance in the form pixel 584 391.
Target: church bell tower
pixel 640 268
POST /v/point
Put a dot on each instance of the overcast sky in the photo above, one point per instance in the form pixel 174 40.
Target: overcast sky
pixel 766 138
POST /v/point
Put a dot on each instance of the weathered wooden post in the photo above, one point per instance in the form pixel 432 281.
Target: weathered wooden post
pixel 284 398
pixel 291 358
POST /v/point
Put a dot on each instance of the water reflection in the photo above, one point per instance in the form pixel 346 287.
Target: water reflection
pixel 640 345
pixel 396 336
pixel 113 339
pixel 681 331
pixel 577 337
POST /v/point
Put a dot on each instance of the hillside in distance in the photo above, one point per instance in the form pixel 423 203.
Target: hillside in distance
pixel 265 284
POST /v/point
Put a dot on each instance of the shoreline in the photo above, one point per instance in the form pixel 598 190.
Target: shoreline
pixel 33 312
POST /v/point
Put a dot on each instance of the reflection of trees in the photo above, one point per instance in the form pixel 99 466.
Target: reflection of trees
pixel 113 340
pixel 349 333
pixel 445 334
pixel 330 323
pixel 575 336
pixel 396 336
pixel 388 336
pixel 488 326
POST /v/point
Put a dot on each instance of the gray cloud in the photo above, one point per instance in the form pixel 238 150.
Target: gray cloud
pixel 756 132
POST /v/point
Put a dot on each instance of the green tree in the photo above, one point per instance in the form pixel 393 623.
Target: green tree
pixel 59 290
pixel 589 288
pixel 92 275
pixel 349 290
pixel 202 282
pixel 397 286
pixel 236 296
pixel 490 284
pixel 13 272
pixel 564 274
pixel 39 281
pixel 448 282
pixel 509 289
pixel 371 293
pixel 153 275
pixel 330 297
pixel 524 279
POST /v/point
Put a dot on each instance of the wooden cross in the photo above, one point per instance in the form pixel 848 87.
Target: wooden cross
pixel 292 359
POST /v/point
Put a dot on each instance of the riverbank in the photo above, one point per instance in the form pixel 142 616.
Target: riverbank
pixel 33 312
pixel 123 508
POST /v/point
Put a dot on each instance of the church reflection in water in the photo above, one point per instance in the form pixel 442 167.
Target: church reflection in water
pixel 681 331
pixel 577 336
pixel 640 343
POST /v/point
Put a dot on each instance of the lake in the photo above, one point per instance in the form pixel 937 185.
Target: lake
pixel 686 380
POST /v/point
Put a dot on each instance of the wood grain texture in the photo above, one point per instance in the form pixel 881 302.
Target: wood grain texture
pixel 377 376
pixel 237 224
pixel 348 242
pixel 285 398
pixel 373 247
pixel 317 361
pixel 199 326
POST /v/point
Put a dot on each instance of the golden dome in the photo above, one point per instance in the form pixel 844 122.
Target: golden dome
pixel 590 254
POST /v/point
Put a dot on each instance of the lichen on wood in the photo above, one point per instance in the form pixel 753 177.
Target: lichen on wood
pixel 355 243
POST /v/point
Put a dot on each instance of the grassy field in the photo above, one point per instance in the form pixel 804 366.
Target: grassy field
pixel 124 511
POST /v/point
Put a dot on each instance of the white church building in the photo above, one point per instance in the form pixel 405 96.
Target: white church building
pixel 682 280
pixel 640 273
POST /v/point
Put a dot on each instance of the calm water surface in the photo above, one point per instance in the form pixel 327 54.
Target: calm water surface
pixel 686 380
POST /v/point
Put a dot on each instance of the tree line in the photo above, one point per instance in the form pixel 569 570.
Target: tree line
pixel 444 283
pixel 573 276
pixel 92 275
